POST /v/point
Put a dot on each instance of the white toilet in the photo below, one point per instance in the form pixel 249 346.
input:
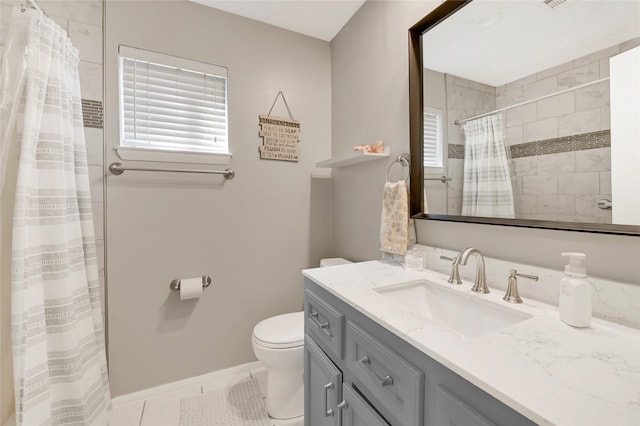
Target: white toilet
pixel 279 343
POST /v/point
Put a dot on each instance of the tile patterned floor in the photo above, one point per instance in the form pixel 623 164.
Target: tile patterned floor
pixel 164 410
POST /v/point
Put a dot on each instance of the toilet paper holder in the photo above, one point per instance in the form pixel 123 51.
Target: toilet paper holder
pixel 175 284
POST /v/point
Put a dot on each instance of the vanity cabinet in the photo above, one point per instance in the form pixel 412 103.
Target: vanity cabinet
pixel 385 378
pixel 355 411
pixel 322 386
pixel 358 373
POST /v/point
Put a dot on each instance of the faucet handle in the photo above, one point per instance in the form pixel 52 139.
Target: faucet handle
pixel 512 295
pixel 454 277
pixel 531 277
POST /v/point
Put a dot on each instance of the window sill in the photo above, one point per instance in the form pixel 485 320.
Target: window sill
pixel 166 156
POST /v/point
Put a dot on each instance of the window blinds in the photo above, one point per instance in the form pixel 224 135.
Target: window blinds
pixel 172 103
pixel 432 148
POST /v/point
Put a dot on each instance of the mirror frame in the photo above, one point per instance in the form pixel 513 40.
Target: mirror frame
pixel 416 105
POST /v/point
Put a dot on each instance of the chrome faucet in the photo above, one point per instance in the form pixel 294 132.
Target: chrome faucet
pixel 480 284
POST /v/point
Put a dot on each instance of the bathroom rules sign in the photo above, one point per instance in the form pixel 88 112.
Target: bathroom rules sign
pixel 281 138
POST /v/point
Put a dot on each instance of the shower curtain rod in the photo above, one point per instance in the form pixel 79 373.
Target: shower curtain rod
pixel 591 83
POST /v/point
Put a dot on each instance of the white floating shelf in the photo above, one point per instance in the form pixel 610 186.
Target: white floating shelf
pixel 321 173
pixel 353 158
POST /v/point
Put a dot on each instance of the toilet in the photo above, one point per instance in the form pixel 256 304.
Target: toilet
pixel 278 343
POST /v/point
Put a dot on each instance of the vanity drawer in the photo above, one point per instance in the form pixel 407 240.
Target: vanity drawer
pixel 451 410
pixel 391 383
pixel 324 323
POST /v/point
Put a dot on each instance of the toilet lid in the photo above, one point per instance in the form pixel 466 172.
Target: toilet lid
pixel 281 331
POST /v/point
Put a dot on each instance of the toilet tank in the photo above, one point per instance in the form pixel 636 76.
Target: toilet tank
pixel 333 261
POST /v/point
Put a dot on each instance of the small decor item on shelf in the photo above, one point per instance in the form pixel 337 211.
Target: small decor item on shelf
pixel 281 136
pixel 375 148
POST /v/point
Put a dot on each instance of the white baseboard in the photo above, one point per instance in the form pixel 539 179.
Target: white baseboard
pixel 155 391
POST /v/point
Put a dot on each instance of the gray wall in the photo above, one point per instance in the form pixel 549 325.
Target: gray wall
pixel 370 101
pixel 252 234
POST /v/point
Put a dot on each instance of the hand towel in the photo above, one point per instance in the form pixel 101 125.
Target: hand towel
pixel 394 224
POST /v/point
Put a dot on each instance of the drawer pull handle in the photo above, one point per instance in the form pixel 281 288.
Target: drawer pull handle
pixel 342 405
pixel 328 411
pixel 322 325
pixel 382 381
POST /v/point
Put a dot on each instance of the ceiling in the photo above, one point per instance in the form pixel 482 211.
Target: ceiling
pixel 489 41
pixel 321 19
pixel 496 41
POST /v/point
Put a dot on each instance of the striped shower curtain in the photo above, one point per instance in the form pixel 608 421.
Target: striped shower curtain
pixel 487 190
pixel 59 360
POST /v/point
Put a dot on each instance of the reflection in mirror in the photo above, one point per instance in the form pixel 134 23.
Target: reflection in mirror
pixel 529 111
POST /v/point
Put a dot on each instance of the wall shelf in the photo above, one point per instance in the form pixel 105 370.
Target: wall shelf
pixel 352 158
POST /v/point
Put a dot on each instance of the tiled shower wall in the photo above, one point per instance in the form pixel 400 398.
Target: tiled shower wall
pixel 82 20
pixel 560 145
pixel 465 98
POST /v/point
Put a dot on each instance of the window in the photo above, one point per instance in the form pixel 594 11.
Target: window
pixel 172 104
pixel 433 150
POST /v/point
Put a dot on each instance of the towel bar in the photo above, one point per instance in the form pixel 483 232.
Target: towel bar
pixel 442 179
pixel 119 168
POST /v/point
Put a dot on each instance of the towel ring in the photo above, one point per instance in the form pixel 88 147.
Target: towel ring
pixel 403 160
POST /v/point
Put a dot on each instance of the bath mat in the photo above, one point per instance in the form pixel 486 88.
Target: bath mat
pixel 237 405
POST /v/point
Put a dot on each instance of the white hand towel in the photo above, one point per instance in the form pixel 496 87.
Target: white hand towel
pixel 394 224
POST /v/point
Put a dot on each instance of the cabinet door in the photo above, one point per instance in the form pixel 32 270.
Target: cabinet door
pixel 355 411
pixel 322 386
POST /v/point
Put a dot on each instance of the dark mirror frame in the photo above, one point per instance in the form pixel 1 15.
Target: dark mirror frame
pixel 416 105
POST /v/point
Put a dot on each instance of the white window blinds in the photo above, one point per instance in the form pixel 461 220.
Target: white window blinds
pixel 172 103
pixel 432 149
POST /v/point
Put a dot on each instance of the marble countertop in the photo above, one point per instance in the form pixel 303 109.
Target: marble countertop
pixel 548 371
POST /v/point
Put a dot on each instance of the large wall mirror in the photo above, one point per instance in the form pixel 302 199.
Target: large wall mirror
pixel 527 113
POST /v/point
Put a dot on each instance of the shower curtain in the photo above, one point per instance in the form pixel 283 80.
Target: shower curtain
pixel 59 360
pixel 487 189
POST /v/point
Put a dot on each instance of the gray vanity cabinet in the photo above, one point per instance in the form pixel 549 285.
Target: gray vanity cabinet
pixel 451 410
pixel 354 411
pixel 324 323
pixel 358 373
pixel 322 387
pixel 327 402
pixel 384 377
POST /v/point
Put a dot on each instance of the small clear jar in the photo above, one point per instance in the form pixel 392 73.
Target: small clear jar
pixel 414 260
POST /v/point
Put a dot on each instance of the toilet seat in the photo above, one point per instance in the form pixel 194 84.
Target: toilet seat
pixel 280 332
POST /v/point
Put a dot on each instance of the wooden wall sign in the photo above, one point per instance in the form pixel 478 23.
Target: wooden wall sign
pixel 281 136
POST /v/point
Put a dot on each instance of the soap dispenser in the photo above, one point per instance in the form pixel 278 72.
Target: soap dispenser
pixel 574 301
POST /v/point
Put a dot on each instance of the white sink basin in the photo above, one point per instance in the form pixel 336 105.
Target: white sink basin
pixel 465 312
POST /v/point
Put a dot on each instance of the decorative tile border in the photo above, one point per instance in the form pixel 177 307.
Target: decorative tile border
pixel 600 139
pixel 456 151
pixel 529 149
pixel 92 113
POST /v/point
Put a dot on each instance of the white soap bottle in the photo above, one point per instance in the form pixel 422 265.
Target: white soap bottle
pixel 574 301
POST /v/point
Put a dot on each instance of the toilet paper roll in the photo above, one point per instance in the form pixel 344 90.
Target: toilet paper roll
pixel 190 288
